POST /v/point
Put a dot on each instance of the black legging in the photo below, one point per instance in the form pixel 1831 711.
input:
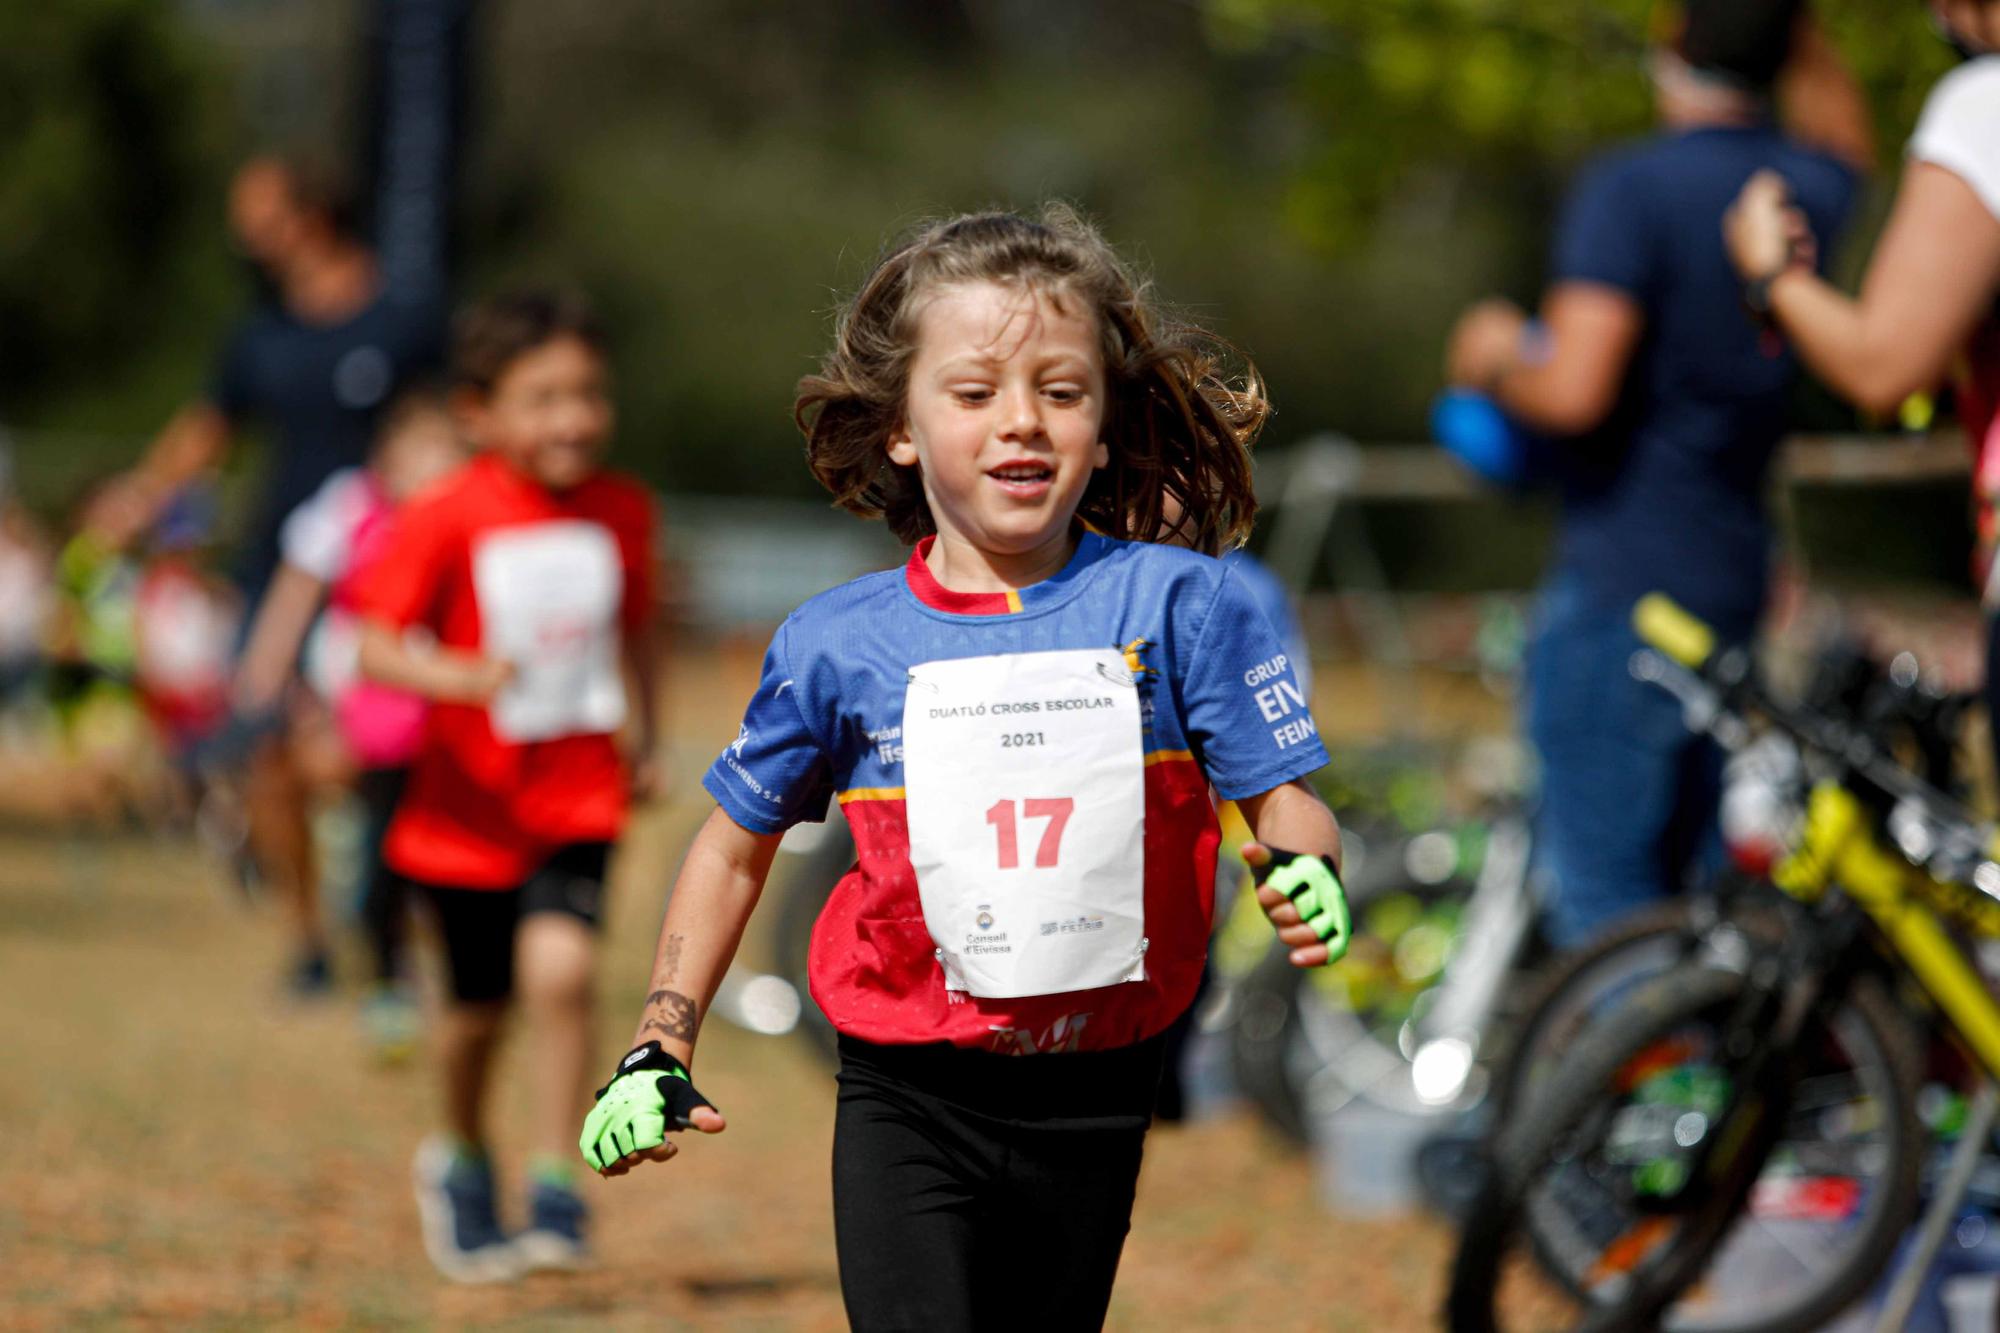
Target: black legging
pixel 961 1204
pixel 384 904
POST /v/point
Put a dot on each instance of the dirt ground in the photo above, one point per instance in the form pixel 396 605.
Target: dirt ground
pixel 179 1147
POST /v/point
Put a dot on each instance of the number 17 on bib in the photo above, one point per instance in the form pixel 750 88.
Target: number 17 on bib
pixel 1024 780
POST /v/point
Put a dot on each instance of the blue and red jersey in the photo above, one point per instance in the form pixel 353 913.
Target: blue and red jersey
pixel 1219 704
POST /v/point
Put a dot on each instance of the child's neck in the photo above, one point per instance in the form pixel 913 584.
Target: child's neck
pixel 961 566
pixel 526 472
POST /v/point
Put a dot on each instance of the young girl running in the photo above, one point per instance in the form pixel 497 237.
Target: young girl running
pixel 1022 727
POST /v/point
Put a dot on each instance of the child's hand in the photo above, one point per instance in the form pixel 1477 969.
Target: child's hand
pixel 645 775
pixel 1301 893
pixel 478 679
pixel 650 1097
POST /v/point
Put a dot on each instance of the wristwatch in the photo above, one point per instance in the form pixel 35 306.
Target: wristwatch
pixel 1757 291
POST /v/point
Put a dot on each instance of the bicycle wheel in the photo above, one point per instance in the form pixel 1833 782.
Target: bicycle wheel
pixel 1576 987
pixel 1540 1033
pixel 1653 1185
pixel 1328 1034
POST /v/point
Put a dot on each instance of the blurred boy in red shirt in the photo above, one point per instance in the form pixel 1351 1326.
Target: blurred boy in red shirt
pixel 533 570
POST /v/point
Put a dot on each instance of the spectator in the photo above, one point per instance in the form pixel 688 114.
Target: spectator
pixel 313 367
pixel 1928 299
pixel 1670 406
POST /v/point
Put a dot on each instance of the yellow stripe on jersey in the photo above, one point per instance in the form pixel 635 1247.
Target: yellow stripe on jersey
pixel 1013 600
pixel 1235 828
pixel 1167 756
pixel 872 794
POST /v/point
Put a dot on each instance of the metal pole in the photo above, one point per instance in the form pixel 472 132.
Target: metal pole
pixel 1944 1208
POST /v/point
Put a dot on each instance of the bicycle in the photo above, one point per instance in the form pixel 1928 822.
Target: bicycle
pixel 1892 706
pixel 1766 1089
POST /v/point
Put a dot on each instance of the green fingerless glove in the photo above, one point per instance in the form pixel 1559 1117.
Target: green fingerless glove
pixel 650 1097
pixel 1313 885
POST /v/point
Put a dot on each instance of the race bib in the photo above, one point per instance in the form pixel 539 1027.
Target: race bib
pixel 548 603
pixel 1024 783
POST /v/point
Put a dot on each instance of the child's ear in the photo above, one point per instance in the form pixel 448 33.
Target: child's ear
pixel 902 447
pixel 1101 458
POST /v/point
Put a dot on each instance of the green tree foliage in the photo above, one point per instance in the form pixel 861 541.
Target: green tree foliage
pixel 1324 181
pixel 722 176
pixel 1486 90
pixel 101 171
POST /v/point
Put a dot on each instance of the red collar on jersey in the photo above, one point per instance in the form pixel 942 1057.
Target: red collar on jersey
pixel 935 595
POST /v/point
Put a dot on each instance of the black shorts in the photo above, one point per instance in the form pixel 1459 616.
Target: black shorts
pixel 975 1191
pixel 478 924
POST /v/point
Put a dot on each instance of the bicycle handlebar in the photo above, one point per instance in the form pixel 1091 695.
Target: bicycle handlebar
pixel 1661 622
pixel 1930 828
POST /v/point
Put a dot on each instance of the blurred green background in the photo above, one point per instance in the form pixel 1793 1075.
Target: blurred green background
pixel 1326 181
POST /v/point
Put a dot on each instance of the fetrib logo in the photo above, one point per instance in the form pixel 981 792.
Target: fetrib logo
pixel 1134 654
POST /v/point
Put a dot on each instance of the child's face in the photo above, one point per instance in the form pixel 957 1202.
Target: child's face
pixel 1005 413
pixel 549 415
pixel 424 448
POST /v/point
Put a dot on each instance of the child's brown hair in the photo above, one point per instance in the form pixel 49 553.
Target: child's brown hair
pixel 489 336
pixel 1182 409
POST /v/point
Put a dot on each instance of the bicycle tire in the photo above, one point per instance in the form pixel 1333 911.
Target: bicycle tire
pixel 1551 990
pixel 1267 1027
pixel 1534 1035
pixel 1265 999
pixel 1670 1003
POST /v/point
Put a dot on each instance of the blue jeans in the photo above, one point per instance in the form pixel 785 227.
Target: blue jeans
pixel 1629 795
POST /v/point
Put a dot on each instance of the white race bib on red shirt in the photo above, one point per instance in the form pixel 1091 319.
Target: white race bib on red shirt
pixel 548 603
pixel 1025 793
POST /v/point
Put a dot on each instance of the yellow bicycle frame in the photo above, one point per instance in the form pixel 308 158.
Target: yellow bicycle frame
pixel 1840 847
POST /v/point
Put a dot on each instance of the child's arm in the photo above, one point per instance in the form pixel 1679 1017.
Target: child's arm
pixel 282 619
pixel 1292 818
pixel 644 649
pixel 713 896
pixel 643 658
pixel 446 675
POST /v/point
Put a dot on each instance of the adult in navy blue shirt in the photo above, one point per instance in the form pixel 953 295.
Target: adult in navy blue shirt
pixel 329 346
pixel 313 366
pixel 1670 402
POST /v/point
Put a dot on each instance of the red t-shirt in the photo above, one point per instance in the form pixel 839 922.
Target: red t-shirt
pixel 495 790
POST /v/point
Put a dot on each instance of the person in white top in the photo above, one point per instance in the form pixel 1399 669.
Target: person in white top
pixel 1929 306
pixel 1935 273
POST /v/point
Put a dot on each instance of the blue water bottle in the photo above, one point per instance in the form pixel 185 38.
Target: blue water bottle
pixel 1474 430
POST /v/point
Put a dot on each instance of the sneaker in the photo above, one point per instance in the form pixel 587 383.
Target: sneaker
pixel 554 1238
pixel 392 1022
pixel 461 1229
pixel 311 977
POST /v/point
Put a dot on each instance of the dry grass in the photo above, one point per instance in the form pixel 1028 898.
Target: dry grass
pixel 181 1148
